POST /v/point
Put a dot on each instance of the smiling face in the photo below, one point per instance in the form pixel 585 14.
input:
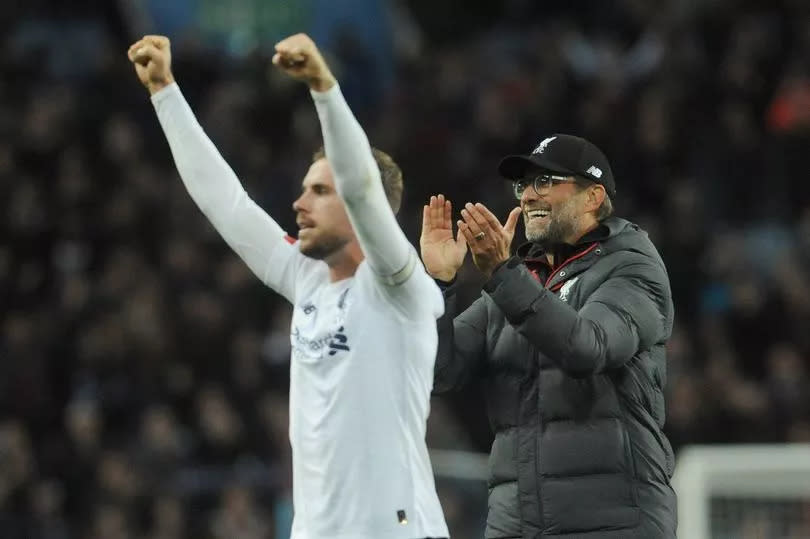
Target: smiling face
pixel 323 224
pixel 559 213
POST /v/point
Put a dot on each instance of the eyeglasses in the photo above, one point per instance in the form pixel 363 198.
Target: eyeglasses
pixel 541 181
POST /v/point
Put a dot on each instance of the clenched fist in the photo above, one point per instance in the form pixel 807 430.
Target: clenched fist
pixel 153 62
pixel 299 58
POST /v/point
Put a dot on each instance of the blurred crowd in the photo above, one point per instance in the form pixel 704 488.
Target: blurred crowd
pixel 144 369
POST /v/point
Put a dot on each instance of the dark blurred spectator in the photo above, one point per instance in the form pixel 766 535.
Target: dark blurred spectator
pixel 47 520
pixel 168 520
pixel 239 516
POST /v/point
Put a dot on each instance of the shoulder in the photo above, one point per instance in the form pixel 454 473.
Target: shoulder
pixel 629 244
pixel 418 293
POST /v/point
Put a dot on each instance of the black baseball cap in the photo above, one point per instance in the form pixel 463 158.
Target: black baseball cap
pixel 563 154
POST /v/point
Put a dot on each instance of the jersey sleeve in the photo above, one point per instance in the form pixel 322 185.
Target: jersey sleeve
pixel 389 254
pixel 214 187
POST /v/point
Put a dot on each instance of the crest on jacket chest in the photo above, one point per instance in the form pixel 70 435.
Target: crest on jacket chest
pixel 566 289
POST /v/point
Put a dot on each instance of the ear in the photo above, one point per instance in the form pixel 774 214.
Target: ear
pixel 595 196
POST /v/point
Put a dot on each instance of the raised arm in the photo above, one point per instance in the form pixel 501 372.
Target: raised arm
pixel 356 174
pixel 212 184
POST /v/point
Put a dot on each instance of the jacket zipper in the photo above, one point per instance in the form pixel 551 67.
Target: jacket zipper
pixel 537 455
pixel 568 261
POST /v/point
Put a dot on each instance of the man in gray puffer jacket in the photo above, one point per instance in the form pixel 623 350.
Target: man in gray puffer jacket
pixel 569 338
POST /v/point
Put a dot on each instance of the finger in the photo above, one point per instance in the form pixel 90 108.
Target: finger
pixel 297 44
pixel 464 230
pixel 295 57
pixel 439 211
pixel 466 236
pixel 159 42
pixel 437 203
pixel 286 43
pixel 477 216
pixel 511 221
pixel 488 216
pixel 469 233
pixel 433 204
pixel 132 48
pixel 447 218
pixel 292 61
pixel 472 223
pixel 145 53
pixel 426 225
pixel 461 241
pixel 290 47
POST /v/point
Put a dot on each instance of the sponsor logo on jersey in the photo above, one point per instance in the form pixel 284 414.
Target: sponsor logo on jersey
pixel 338 342
pixel 307 348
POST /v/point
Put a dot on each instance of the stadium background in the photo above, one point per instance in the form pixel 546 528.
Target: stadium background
pixel 143 369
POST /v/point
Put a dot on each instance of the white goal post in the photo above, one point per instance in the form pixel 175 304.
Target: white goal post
pixel 722 487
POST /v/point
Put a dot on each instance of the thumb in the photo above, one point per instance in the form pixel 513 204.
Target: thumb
pixel 425 218
pixel 461 242
pixel 511 221
pixel 145 53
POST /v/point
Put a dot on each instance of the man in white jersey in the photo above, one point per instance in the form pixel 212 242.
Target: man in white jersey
pixel 364 323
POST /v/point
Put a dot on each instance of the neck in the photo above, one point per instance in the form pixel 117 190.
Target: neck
pixel 572 240
pixel 343 264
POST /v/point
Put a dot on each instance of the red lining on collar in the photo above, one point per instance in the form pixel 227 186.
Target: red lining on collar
pixel 568 261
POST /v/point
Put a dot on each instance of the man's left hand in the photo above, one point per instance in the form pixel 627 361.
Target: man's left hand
pixel 489 241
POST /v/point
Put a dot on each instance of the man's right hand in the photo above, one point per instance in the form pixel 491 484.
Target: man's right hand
pixel 442 254
pixel 152 58
pixel 299 57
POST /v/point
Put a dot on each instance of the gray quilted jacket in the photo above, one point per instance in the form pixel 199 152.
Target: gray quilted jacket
pixel 573 362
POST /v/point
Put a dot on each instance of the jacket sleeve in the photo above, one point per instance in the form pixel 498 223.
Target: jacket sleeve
pixel 630 311
pixel 462 342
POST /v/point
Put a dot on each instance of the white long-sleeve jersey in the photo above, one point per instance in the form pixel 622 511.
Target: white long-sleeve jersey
pixel 363 348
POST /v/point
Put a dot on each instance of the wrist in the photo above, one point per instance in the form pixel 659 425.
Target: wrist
pixel 156 86
pixel 495 267
pixel 322 84
pixel 446 276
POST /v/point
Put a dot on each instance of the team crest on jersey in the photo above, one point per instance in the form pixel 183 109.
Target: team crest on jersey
pixel 566 289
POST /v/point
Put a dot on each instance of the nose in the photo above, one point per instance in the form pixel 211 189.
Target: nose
pixel 529 194
pixel 299 203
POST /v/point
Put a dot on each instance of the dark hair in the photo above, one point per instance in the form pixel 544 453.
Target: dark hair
pixel 606 209
pixel 389 172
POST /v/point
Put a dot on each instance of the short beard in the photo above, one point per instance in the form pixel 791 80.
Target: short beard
pixel 325 248
pixel 563 225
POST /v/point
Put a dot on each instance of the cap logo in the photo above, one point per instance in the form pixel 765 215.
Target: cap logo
pixel 595 171
pixel 542 146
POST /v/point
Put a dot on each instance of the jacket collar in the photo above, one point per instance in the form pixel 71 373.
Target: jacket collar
pixel 533 251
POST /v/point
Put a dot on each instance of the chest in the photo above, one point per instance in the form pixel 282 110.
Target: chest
pixel 572 282
pixel 511 352
pixel 324 322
